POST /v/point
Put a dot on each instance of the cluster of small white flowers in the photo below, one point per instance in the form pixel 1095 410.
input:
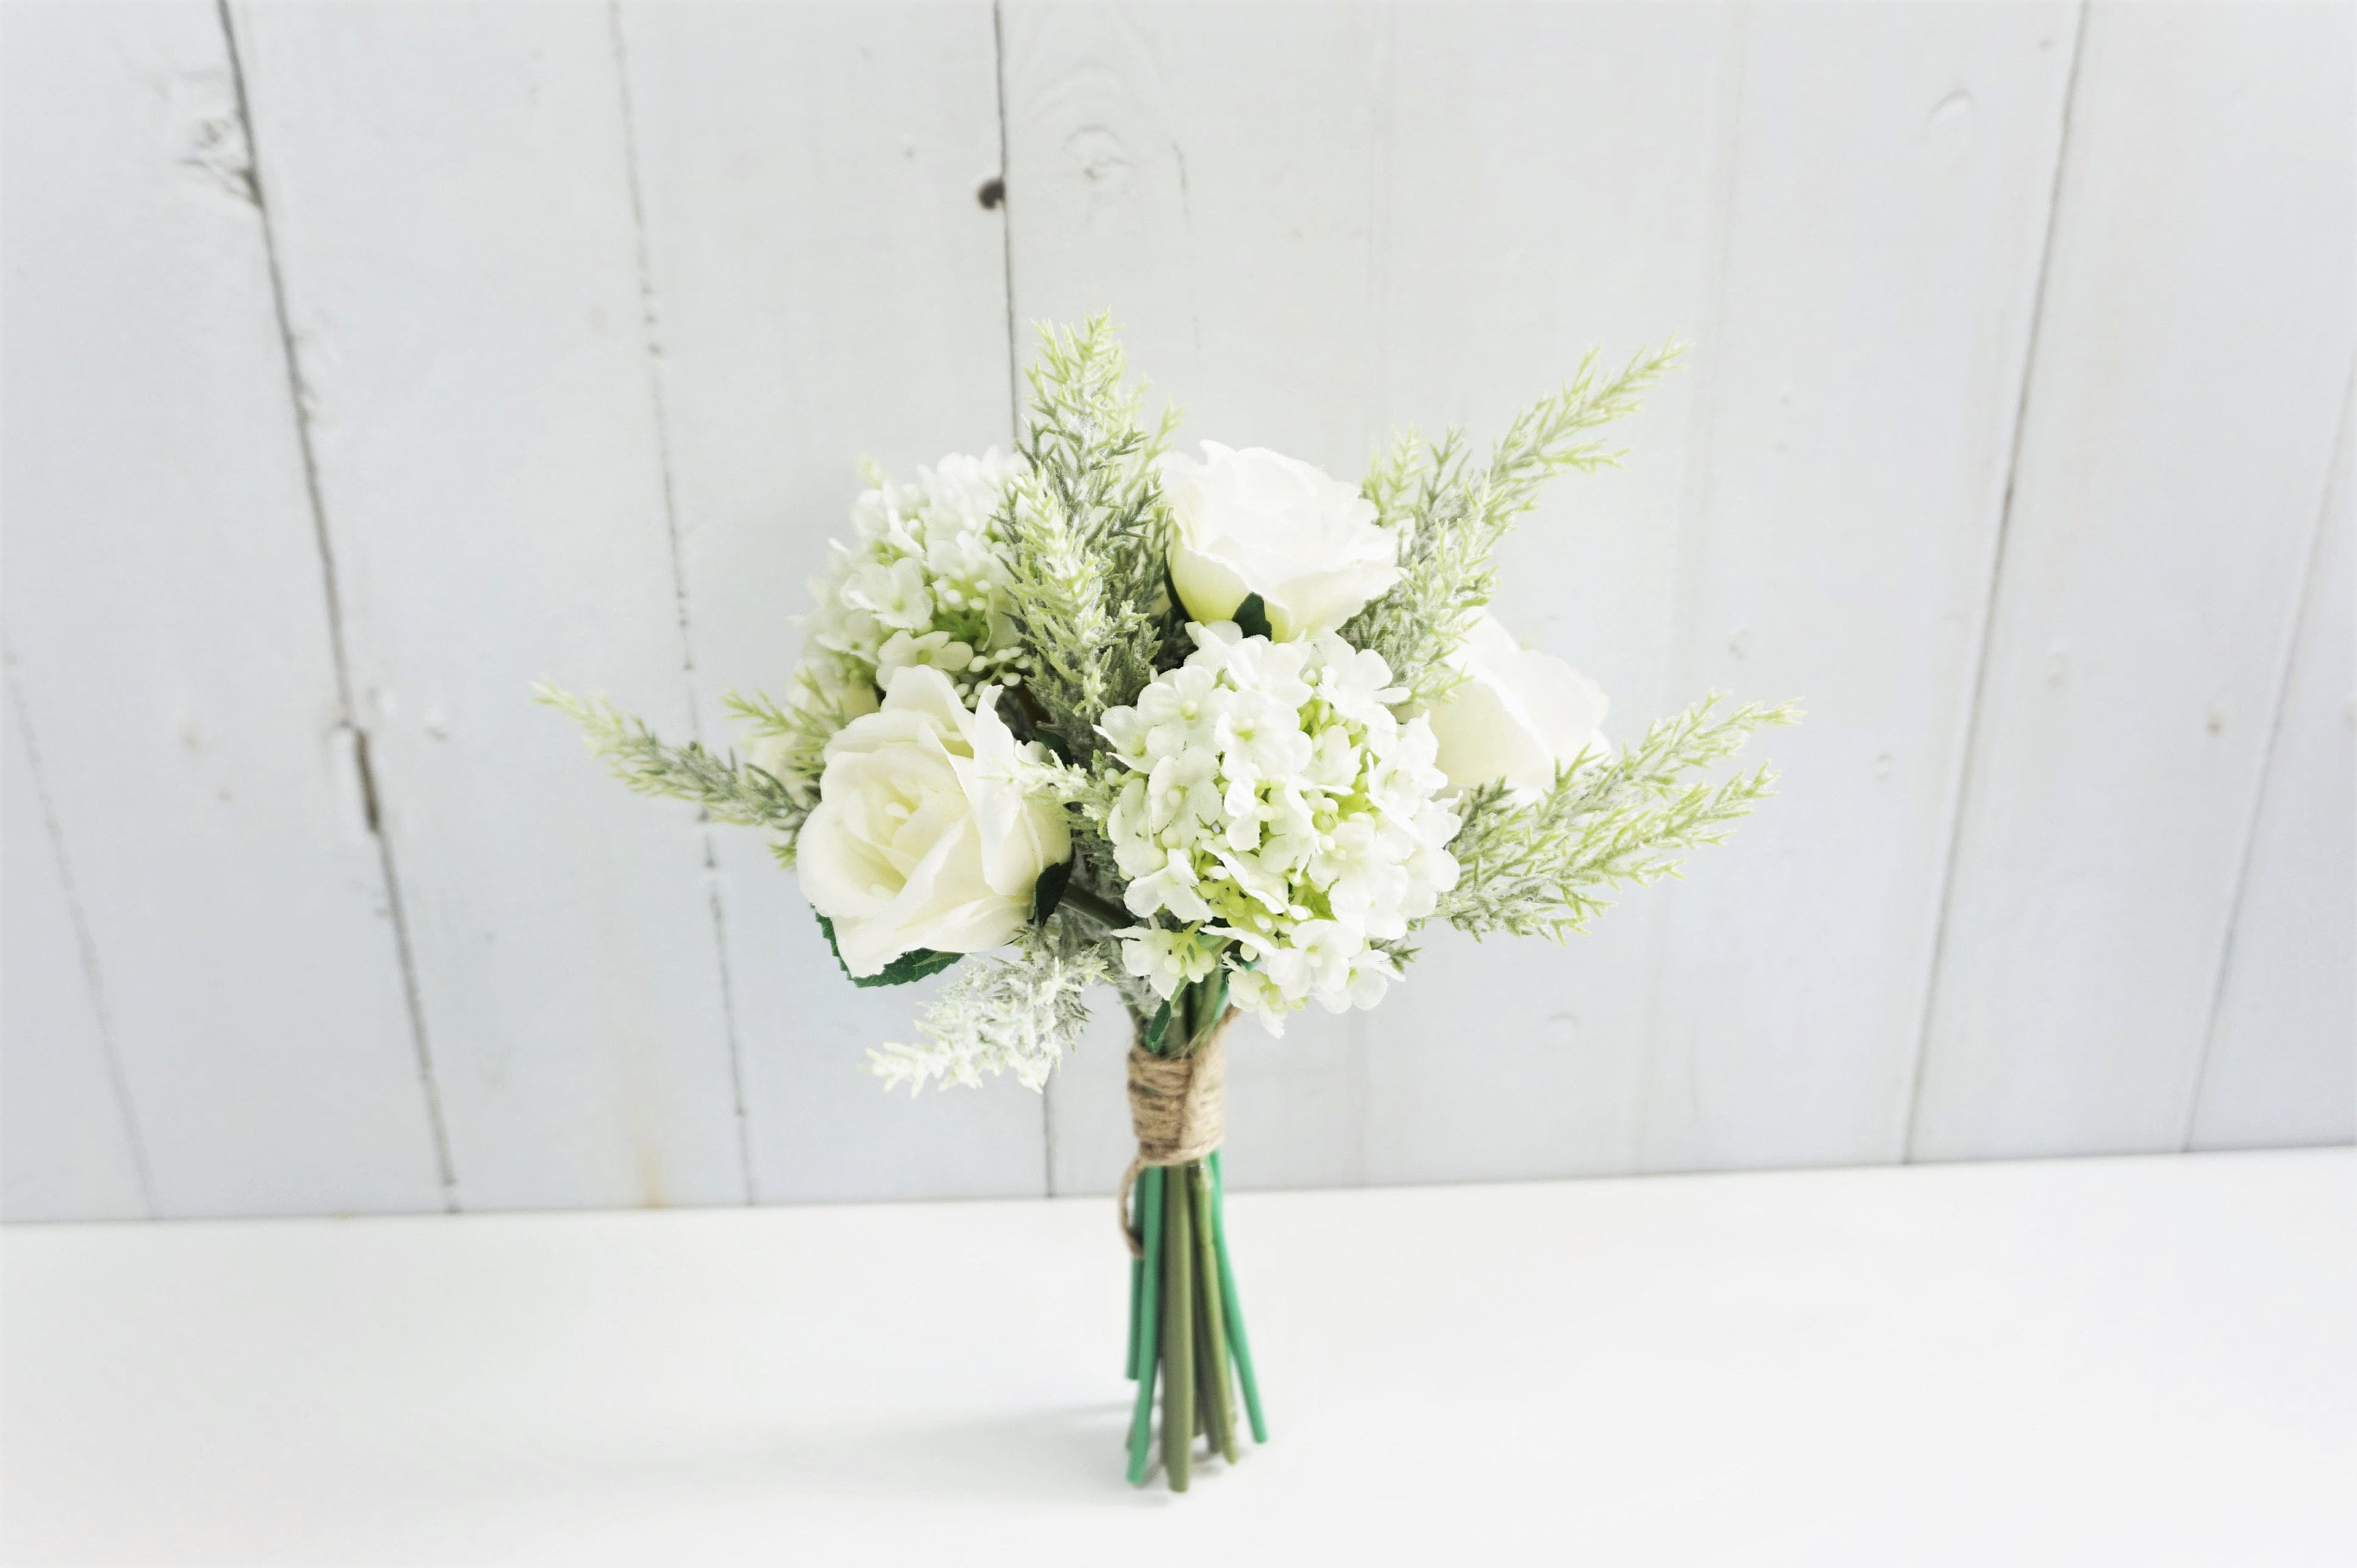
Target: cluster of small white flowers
pixel 1276 806
pixel 922 583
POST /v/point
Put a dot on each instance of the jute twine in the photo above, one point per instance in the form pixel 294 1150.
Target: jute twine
pixel 1179 1109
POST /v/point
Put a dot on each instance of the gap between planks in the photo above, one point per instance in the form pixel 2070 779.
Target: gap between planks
pixel 2304 605
pixel 371 795
pixel 1960 798
pixel 651 323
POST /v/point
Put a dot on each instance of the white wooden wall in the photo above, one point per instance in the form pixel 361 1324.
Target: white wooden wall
pixel 364 362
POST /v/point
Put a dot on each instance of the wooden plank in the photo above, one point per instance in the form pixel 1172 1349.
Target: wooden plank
pixel 66 1147
pixel 1205 174
pixel 1894 175
pixel 2282 1062
pixel 1289 273
pixel 1195 215
pixel 172 645
pixel 1858 246
pixel 2194 342
pixel 1560 180
pixel 825 285
pixel 1429 225
pixel 450 192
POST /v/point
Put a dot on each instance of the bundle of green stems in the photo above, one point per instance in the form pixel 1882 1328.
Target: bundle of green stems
pixel 1186 1329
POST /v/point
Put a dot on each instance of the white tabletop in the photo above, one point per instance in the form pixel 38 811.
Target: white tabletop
pixel 2132 1361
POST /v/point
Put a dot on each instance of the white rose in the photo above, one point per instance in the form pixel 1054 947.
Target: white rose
pixel 1517 715
pixel 1256 521
pixel 923 836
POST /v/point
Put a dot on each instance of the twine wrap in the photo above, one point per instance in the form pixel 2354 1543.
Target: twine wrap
pixel 1179 1109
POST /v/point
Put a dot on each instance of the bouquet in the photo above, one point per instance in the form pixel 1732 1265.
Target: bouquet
pixel 1221 733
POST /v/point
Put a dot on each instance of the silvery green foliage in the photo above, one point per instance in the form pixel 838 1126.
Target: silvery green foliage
pixel 1087 536
pixel 1452 515
pixel 1539 867
pixel 790 739
pixel 729 791
pixel 1020 1014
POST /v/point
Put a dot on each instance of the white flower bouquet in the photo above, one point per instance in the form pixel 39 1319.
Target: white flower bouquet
pixel 1221 734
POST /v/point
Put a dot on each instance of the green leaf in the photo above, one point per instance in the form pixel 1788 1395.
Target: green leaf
pixel 1048 891
pixel 1251 618
pixel 1158 1027
pixel 919 963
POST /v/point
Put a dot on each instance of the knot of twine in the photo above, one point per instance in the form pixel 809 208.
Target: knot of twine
pixel 1179 1109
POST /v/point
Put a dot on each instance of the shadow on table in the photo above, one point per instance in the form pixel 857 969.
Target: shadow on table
pixel 1066 1455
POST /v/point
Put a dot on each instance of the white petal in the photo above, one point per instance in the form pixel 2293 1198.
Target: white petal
pixel 1210 585
pixel 838 874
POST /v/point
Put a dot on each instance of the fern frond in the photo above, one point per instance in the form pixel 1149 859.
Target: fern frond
pixel 1540 867
pixel 1021 1014
pixel 1086 535
pixel 727 789
pixel 1453 516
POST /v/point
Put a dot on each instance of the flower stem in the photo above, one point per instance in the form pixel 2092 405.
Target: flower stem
pixel 1230 1311
pixel 1141 1424
pixel 1137 1283
pixel 1178 1334
pixel 1219 1417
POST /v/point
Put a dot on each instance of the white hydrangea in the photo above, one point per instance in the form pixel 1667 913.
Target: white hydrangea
pixel 922 583
pixel 1281 816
